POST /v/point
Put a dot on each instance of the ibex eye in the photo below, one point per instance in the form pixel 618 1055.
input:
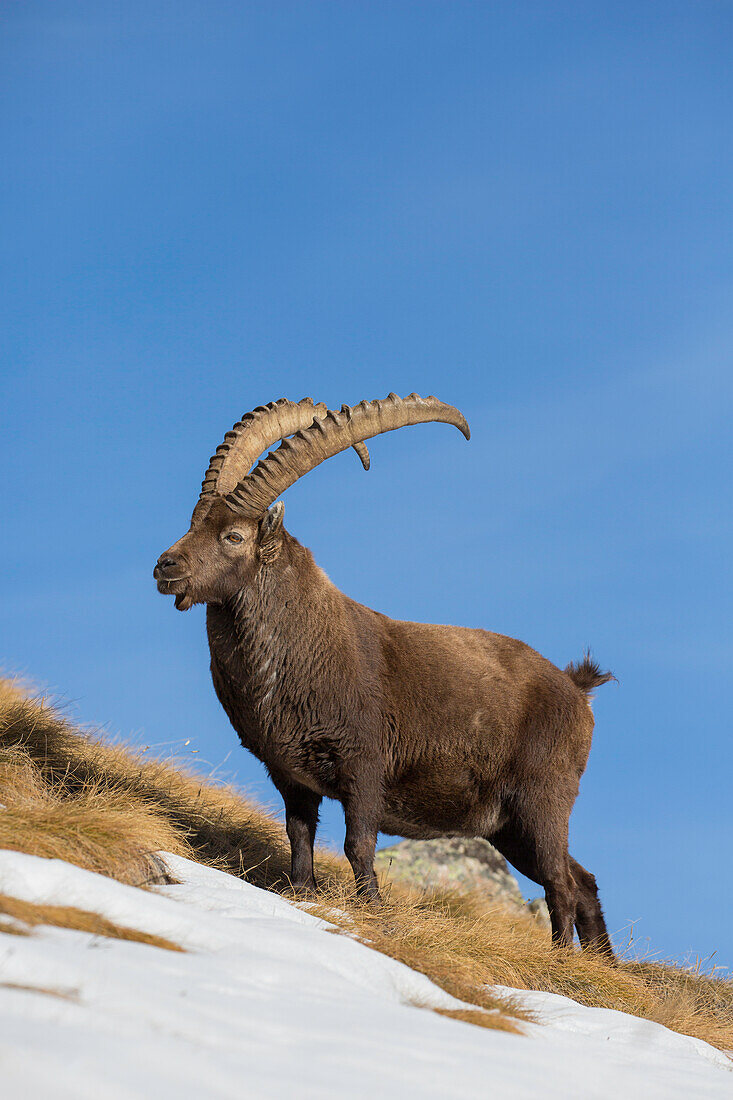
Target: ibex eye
pixel 233 537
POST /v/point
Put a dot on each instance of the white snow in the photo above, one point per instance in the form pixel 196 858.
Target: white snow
pixel 267 1002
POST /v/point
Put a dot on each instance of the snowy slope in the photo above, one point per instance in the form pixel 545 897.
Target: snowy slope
pixel 268 1003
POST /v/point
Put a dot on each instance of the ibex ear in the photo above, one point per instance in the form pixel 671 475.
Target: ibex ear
pixel 270 527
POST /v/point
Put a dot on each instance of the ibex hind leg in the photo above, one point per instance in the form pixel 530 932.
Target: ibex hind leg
pixel 542 855
pixel 589 919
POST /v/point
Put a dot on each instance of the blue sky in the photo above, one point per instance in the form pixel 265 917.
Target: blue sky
pixel 525 209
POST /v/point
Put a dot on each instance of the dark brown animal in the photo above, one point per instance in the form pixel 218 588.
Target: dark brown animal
pixel 419 731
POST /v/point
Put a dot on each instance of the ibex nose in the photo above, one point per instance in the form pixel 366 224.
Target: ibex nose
pixel 163 565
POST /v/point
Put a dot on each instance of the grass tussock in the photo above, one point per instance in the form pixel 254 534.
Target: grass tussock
pixel 48 991
pixel 95 827
pixel 26 915
pixel 105 807
pixel 496 1022
pixel 468 946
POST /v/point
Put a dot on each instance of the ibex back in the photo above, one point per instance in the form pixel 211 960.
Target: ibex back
pixel 419 731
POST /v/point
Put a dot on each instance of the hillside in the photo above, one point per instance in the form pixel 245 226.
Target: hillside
pixel 264 1002
pixel 236 986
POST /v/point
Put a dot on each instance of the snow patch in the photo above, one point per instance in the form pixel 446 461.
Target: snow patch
pixel 268 1002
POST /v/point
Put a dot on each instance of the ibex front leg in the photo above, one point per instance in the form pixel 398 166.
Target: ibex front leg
pixel 362 811
pixel 301 822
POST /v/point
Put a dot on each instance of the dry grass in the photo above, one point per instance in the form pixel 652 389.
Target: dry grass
pixel 62 994
pixel 467 945
pixel 96 827
pixel 26 914
pixel 498 1022
pixel 107 808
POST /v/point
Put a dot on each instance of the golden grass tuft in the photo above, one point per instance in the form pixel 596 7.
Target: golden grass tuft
pixel 475 1016
pixel 468 946
pixel 96 827
pixel 29 914
pixel 105 807
pixel 62 994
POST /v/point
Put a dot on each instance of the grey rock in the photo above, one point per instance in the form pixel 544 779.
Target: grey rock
pixel 540 912
pixel 460 864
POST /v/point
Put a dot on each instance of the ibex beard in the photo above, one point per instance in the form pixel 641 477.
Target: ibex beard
pixel 418 730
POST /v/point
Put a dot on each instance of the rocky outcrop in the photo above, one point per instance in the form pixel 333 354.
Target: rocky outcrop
pixel 460 864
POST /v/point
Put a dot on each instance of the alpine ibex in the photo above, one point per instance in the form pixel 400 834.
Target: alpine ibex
pixel 419 731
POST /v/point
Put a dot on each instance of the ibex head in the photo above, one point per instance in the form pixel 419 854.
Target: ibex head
pixel 235 529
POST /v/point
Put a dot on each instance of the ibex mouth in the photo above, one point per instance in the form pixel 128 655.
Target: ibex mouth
pixel 167 587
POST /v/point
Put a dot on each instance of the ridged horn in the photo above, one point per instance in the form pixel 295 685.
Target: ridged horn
pixel 253 434
pixel 329 435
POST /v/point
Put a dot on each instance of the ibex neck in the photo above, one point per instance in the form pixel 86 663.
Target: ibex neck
pixel 268 640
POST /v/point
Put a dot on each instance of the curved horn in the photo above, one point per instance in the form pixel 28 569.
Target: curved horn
pixel 253 434
pixel 328 436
